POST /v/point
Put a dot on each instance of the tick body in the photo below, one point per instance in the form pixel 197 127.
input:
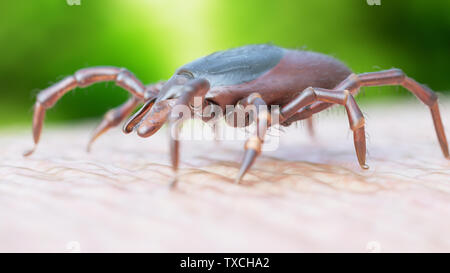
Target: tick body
pixel 300 83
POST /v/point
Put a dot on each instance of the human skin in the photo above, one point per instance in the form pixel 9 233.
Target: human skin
pixel 307 195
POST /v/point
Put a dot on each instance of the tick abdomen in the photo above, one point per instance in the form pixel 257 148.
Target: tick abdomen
pixel 277 74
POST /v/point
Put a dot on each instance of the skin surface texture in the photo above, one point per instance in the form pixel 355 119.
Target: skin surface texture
pixel 307 195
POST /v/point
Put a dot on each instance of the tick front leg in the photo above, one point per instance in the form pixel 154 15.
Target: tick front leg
pixel 115 116
pixel 112 118
pixel 82 78
pixel 194 88
pixel 343 97
pixel 254 143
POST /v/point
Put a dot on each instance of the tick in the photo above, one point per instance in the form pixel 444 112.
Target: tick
pixel 300 83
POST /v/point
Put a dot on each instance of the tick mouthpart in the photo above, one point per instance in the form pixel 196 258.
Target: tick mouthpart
pixel 148 129
pixel 155 118
pixel 132 122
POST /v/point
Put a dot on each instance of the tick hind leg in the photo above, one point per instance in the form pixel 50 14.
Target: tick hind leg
pixel 83 78
pixel 389 77
pixel 343 97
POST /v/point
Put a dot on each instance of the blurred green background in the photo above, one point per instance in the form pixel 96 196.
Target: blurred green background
pixel 43 41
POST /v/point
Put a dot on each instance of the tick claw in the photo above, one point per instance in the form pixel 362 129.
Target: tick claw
pixel 29 152
pixel 88 147
pixel 237 180
pixel 249 159
pixel 173 183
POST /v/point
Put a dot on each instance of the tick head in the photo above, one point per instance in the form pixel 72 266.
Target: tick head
pixel 174 86
pixel 159 101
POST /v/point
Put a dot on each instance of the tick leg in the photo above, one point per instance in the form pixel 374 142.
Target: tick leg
pixel 194 88
pixel 254 143
pixel 115 116
pixel 343 97
pixel 82 78
pixel 389 77
pixel 135 119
